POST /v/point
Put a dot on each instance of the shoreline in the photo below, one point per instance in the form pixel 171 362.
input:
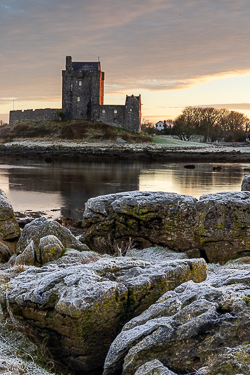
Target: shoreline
pixel 80 151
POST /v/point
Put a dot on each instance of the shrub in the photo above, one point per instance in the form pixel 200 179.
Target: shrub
pixel 74 130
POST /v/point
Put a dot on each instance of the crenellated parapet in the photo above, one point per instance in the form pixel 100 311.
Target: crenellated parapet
pixel 34 115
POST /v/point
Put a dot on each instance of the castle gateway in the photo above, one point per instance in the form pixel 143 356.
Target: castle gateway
pixel 83 98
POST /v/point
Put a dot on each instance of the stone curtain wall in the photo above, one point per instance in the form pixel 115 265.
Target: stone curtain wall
pixel 113 115
pixel 34 115
pixel 121 116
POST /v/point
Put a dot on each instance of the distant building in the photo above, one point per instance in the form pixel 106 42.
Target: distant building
pixel 83 98
pixel 161 125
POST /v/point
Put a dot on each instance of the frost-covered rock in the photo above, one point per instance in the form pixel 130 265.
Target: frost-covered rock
pixel 215 227
pixel 155 254
pixel 196 328
pixel 74 257
pixel 224 221
pixel 43 227
pixel 245 185
pixel 82 308
pixel 147 218
pixel 9 227
pixel 154 367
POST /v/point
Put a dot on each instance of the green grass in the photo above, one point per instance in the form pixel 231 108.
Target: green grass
pixel 172 142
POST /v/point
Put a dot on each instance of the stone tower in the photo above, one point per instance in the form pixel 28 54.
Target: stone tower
pixel 132 119
pixel 82 89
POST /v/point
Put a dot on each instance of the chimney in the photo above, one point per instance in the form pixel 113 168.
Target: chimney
pixel 68 63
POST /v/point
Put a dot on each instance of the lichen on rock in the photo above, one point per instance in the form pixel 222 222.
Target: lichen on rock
pixel 43 227
pixel 147 218
pixel 214 227
pixel 224 219
pixel 50 248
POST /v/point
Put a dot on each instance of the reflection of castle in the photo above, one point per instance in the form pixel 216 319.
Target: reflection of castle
pixel 83 97
pixel 69 184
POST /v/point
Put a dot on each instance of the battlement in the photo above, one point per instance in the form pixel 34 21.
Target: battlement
pixel 34 115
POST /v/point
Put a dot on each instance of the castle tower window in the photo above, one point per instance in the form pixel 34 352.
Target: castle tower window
pixel 115 110
pixel 103 111
pixel 78 99
pixel 131 109
pixel 80 83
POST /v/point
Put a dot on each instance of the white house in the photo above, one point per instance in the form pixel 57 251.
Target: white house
pixel 160 125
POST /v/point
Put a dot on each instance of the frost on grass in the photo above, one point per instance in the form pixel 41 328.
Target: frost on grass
pixel 18 355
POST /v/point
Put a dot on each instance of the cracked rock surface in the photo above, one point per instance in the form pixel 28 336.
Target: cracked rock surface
pixel 40 230
pixel 196 328
pixel 224 225
pixel 80 309
pixel 217 225
pixel 166 219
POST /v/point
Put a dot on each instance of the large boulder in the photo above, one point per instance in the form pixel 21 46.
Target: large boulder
pixel 224 221
pixel 36 234
pixel 9 227
pixel 80 309
pixel 146 218
pixel 215 227
pixel 245 185
pixel 197 328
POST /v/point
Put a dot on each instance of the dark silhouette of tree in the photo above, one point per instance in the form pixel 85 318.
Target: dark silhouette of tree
pixel 212 124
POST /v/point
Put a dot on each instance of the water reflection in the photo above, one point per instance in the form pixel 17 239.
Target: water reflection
pixel 201 180
pixel 66 186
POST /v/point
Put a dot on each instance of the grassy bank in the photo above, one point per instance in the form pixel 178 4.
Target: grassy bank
pixel 87 131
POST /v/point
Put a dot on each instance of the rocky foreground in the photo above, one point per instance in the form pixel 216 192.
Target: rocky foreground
pixel 132 294
pixel 196 327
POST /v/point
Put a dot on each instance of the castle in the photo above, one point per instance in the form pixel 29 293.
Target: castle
pixel 83 98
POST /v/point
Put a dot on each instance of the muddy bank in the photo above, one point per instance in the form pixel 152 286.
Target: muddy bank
pixel 52 151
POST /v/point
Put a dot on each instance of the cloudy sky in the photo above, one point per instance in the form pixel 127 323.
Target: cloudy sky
pixel 175 53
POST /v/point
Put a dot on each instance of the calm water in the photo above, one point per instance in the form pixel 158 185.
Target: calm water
pixel 62 188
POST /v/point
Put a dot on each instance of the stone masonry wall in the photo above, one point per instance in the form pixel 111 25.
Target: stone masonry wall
pixel 132 120
pixel 112 115
pixel 81 94
pixel 34 115
pixel 122 116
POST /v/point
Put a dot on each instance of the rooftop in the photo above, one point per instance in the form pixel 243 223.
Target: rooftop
pixel 87 66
